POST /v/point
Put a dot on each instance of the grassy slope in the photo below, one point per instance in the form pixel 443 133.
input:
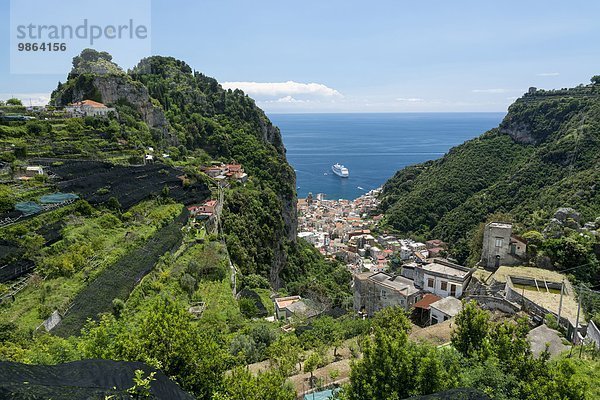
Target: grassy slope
pixel 117 280
pixel 32 305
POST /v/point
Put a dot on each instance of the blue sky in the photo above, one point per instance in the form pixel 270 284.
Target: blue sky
pixel 358 56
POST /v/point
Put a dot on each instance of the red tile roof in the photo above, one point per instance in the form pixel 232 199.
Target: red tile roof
pixel 90 103
pixel 426 301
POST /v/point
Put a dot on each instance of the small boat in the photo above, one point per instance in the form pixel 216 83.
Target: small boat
pixel 340 170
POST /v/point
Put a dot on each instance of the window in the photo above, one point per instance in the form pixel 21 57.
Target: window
pixel 444 285
pixel 383 294
pixel 430 282
pixel 499 242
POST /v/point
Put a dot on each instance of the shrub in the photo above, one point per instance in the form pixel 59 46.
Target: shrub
pixel 248 308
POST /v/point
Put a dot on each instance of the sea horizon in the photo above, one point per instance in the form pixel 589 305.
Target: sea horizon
pixel 374 146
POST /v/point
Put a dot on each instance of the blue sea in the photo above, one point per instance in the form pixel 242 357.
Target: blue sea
pixel 372 146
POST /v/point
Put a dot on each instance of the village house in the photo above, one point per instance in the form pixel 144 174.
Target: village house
pixel 282 304
pixel 295 306
pixel 442 277
pixel 444 309
pixel 203 212
pixel 30 172
pixel 373 292
pixel 88 108
pixel 226 171
pixel 34 170
pixel 216 171
pixel 208 207
pixel 408 270
pixel 421 312
pixel 236 172
pixel 435 247
pixel 501 247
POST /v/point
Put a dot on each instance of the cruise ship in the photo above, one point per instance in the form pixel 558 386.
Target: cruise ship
pixel 340 170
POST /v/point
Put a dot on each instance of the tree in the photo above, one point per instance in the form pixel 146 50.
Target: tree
pixel 118 306
pixel 575 250
pixel 311 364
pixel 7 199
pixel 392 367
pixel 327 331
pixel 241 384
pixel 113 204
pixel 596 79
pixel 14 102
pixel 472 328
pixel 393 321
pixel 188 284
pixel 284 354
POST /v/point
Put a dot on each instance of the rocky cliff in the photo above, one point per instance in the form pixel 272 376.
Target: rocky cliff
pixel 94 76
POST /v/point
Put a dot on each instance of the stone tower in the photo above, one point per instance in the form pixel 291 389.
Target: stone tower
pixel 496 245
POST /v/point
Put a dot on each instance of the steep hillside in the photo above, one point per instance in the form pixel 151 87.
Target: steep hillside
pixel 545 154
pixel 191 116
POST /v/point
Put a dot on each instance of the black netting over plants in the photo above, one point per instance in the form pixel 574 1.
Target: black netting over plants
pixel 86 379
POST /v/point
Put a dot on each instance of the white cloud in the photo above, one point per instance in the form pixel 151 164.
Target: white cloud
pixel 410 99
pixel 283 89
pixel 286 99
pixel 549 74
pixel 33 99
pixel 289 99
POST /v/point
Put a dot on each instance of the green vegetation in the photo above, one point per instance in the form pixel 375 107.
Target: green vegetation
pixel 14 102
pixel 118 280
pixel 90 243
pixel 543 156
pixel 492 357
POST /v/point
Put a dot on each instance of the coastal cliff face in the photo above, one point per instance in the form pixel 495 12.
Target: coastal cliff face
pixel 112 89
pixel 192 112
pixel 543 156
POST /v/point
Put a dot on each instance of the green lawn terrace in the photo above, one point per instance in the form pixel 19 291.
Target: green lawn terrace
pixel 71 250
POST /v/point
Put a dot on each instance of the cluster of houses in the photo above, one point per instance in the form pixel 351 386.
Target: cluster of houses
pixel 205 213
pixel 431 284
pixel 341 228
pixel 431 288
pixel 223 172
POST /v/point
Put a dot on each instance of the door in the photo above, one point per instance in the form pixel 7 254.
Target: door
pixel 452 290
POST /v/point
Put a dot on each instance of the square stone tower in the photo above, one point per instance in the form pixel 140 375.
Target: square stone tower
pixel 496 245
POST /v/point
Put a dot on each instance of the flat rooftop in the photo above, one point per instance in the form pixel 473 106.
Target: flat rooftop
pixel 448 305
pixel 396 282
pixel 284 302
pixel 549 300
pixel 446 269
pixel 500 225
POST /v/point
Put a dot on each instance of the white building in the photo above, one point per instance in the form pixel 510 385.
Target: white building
pixel 443 278
pixel 444 309
pixel 88 108
pixel 405 252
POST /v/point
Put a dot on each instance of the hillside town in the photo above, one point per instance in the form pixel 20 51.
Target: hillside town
pixel 396 271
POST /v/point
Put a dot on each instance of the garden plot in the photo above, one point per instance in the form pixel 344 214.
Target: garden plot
pixel 119 279
pixel 98 181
